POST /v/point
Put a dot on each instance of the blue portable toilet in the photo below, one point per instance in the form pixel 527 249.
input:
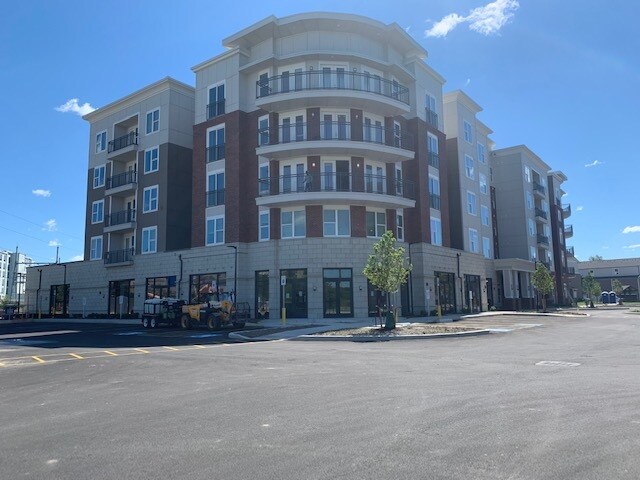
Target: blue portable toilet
pixel 604 297
pixel 612 298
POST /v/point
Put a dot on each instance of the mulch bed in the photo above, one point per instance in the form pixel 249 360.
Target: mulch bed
pixel 412 329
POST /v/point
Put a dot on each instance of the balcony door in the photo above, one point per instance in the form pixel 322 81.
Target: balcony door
pixel 336 176
pixel 292 179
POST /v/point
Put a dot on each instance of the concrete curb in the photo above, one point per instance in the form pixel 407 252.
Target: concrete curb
pixel 378 338
pixel 87 321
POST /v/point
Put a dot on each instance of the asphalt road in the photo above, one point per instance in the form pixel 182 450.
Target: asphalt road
pixel 467 408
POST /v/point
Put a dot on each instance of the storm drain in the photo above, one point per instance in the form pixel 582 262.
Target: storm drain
pixel 553 363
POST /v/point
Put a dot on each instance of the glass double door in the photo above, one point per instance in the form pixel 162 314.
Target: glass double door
pixel 294 292
pixel 337 292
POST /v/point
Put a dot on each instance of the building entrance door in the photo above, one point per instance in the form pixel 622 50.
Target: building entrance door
pixel 337 292
pixel 294 292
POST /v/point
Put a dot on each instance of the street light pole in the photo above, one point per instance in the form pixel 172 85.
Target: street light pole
pixel 235 273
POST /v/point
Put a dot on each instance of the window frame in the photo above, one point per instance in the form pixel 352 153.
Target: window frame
pixel 486 247
pixel 482 153
pixel 467 132
pixel 482 180
pixel 216 230
pixel 146 242
pixel 144 199
pixel 336 222
pixel 472 211
pixel 473 235
pixel 469 170
pixel 103 141
pixel 438 232
pixel 154 127
pixel 103 169
pixel 485 209
pixel 264 213
pixel 93 250
pixel 151 159
pixel 95 214
pixel 376 225
pixel 294 215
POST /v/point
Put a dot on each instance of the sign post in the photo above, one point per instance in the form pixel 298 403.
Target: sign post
pixel 283 315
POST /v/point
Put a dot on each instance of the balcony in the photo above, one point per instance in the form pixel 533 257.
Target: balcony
pixel 119 257
pixel 336 188
pixel 540 213
pixel 332 88
pixel 542 239
pixel 215 153
pixel 571 251
pixel 215 198
pixel 434 159
pixel 215 109
pixel 336 138
pixel 538 189
pixel 432 118
pixel 568 231
pixel 122 220
pixel 121 183
pixel 435 201
pixel 571 270
pixel 122 145
pixel 566 211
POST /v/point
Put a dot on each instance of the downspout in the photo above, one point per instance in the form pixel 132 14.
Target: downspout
pixel 461 286
pixel 180 281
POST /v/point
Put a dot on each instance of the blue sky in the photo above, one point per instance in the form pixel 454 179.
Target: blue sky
pixel 561 76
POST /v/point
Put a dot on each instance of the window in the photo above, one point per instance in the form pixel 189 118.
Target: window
pixel 532 228
pixel 473 240
pixel 216 101
pixel 153 121
pixel 483 183
pixel 532 253
pixel 150 199
pixel 436 231
pixel 434 185
pixel 149 240
pixel 336 223
pixel 467 131
pixel 97 211
pixel 263 178
pixel 101 142
pixel 397 135
pixel 376 224
pixel 215 143
pixel 96 248
pixel 215 190
pixel 469 168
pixel 263 130
pixel 484 215
pixel 400 225
pixel 527 174
pixel 293 224
pixel 98 176
pixel 430 103
pixel 529 200
pixel 472 206
pixel 215 230
pixel 481 153
pixel 151 160
pixel 486 247
pixel 263 226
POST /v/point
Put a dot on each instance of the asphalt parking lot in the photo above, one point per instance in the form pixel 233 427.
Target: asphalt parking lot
pixel 558 401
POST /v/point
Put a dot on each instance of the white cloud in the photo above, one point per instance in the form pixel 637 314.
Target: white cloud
pixel 579 208
pixel 77 258
pixel 74 106
pixel 40 192
pixel 595 163
pixel 50 225
pixel 634 229
pixel 485 20
pixel 54 243
pixel 632 247
pixel 466 84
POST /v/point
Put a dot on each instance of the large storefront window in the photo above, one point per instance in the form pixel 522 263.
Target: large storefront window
pixel 203 284
pixel 59 299
pixel 161 287
pixel 473 298
pixel 121 296
pixel 337 292
pixel 294 292
pixel 262 294
pixel 446 291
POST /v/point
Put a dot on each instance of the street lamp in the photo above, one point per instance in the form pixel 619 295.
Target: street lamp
pixel 235 273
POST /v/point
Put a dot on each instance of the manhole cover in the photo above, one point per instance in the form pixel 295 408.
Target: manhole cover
pixel 552 363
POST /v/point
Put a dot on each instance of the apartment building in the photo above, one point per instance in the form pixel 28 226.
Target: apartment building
pixel 560 232
pixel 4 273
pixel 300 145
pixel 624 270
pixel 13 271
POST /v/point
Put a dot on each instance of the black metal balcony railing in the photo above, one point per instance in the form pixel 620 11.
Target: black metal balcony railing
pixel 215 109
pixel 337 182
pixel 118 256
pixel 538 187
pixel 119 218
pixel 125 178
pixel 571 251
pixel 566 210
pixel 432 118
pixel 541 213
pixel 124 141
pixel 331 80
pixel 301 132
pixel 543 239
pixel 568 231
pixel 434 159
pixel 215 198
pixel 435 201
pixel 215 153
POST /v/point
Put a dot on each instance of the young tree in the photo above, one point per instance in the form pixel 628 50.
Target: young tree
pixel 617 287
pixel 591 287
pixel 543 282
pixel 386 270
pixel 594 258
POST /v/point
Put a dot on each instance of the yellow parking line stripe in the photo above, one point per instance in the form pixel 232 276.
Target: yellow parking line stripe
pixel 1 364
pixel 200 346
pixel 171 348
pixel 141 350
pixel 38 359
pixel 111 353
pixel 75 355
